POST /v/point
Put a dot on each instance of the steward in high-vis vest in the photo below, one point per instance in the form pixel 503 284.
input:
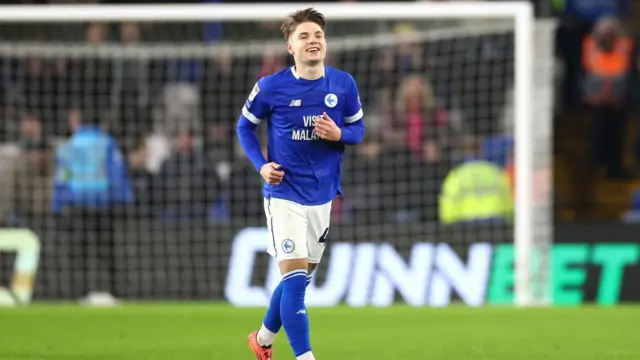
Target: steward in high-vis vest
pixel 606 57
pixel 475 191
pixel 90 187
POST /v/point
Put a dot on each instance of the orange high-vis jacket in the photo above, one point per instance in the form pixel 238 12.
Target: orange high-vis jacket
pixel 604 64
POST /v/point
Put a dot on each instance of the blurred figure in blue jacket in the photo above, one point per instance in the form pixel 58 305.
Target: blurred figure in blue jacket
pixel 90 188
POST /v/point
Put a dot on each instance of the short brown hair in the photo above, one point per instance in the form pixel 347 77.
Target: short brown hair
pixel 301 16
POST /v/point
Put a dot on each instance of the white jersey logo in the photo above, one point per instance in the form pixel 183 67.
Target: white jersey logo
pixel 331 100
pixel 295 103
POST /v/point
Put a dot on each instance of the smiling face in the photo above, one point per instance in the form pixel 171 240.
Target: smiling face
pixel 304 32
pixel 307 44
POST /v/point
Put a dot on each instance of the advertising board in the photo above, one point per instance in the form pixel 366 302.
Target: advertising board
pixel 434 274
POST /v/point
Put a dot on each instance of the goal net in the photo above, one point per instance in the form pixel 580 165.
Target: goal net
pixel 427 217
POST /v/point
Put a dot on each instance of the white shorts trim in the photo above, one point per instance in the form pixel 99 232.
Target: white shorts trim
pixel 297 231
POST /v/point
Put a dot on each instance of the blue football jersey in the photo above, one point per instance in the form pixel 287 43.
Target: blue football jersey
pixel 291 105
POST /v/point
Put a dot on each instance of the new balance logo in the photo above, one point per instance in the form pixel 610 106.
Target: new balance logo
pixel 301 312
pixel 295 103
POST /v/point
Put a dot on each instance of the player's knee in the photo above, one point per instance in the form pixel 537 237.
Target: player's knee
pixel 287 266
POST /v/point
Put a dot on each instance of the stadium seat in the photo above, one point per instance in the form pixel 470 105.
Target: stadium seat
pixel 497 149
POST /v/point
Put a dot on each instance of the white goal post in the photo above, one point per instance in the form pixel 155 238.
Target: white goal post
pixel 523 90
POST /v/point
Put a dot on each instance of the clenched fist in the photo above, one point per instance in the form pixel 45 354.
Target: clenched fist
pixel 327 129
pixel 272 173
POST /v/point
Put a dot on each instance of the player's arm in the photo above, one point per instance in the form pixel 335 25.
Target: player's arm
pixel 352 131
pixel 254 111
pixel 353 128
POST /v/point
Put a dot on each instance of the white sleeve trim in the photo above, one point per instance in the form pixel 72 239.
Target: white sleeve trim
pixel 354 118
pixel 254 119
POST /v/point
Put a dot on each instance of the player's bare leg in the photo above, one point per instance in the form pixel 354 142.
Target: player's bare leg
pixel 311 268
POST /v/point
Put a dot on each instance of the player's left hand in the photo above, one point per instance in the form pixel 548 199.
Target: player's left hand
pixel 327 129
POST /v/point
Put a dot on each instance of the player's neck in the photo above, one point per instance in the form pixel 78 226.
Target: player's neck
pixel 314 72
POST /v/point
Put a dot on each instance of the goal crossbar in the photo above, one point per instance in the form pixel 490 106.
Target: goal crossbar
pixel 238 48
pixel 260 12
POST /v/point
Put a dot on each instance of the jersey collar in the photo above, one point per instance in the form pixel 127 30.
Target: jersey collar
pixel 295 73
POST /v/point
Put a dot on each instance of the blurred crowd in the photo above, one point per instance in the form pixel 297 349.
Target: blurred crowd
pixel 430 104
pixel 427 109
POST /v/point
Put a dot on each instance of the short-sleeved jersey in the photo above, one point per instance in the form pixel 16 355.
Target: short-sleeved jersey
pixel 291 105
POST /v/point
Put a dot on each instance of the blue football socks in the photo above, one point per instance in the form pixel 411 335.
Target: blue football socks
pixel 272 320
pixel 293 311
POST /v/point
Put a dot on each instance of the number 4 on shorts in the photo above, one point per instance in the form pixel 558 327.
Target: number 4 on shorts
pixel 323 238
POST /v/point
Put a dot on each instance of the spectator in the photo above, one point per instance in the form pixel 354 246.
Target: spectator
pixel 32 80
pixel 132 89
pixel 219 149
pixel 409 56
pixel 421 121
pixel 378 91
pixel 220 99
pixel 245 189
pixel 33 185
pixel 181 97
pixel 272 62
pixel 74 120
pixel 577 18
pixel 91 183
pixel 90 79
pixel 607 59
pixel 34 143
pixel 10 162
pixel 475 191
pixel 96 34
pixel 59 104
pixel 130 34
pixel 141 177
pixel 363 184
pixel 189 181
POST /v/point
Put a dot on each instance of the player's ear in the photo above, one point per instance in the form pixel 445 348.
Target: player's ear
pixel 289 48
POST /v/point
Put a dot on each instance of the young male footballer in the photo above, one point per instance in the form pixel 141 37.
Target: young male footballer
pixel 312 111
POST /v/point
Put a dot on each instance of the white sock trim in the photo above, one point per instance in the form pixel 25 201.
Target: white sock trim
pixel 265 336
pixel 294 273
pixel 306 356
pixel 299 271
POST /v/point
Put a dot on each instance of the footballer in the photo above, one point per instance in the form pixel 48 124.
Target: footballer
pixel 312 112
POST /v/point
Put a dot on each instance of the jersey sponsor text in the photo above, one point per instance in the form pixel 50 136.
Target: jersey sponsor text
pixel 309 132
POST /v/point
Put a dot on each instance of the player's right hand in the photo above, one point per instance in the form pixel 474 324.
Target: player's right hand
pixel 272 173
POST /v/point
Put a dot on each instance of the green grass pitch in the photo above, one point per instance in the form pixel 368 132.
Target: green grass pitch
pixel 187 331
